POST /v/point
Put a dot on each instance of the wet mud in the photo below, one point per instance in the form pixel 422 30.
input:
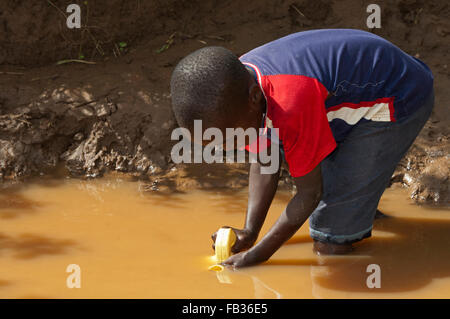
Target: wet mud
pixel 114 114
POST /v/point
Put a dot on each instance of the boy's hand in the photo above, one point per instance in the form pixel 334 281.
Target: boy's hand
pixel 296 213
pixel 243 259
pixel 244 239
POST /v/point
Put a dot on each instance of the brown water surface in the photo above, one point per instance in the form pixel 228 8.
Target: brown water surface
pixel 133 243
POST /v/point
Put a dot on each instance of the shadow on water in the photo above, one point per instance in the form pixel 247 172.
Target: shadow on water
pixel 163 199
pixel 299 240
pixel 414 252
pixel 4 283
pixel 236 200
pixel 202 176
pixel 230 201
pixel 29 246
pixel 218 175
pixel 222 182
pixel 14 204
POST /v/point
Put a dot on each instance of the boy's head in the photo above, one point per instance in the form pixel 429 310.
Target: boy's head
pixel 212 85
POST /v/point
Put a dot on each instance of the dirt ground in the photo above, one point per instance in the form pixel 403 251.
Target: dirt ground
pixel 112 111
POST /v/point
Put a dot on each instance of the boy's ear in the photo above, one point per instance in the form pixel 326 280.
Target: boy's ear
pixel 255 95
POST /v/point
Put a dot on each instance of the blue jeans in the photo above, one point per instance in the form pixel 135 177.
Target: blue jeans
pixel 356 174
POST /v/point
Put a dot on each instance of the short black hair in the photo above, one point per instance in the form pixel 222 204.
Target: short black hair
pixel 208 85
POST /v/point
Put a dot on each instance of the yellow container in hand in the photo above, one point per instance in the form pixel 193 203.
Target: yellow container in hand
pixel 224 241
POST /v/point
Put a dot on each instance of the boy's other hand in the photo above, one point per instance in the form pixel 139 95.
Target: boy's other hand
pixel 244 239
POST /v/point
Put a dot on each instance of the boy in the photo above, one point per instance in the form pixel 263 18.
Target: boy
pixel 347 104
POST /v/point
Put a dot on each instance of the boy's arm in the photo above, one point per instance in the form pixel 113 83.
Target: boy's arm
pixel 262 189
pixel 309 192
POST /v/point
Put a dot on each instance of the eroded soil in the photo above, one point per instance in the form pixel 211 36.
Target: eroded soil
pixel 114 113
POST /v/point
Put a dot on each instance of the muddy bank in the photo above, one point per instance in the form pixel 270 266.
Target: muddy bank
pixel 90 126
pixel 425 169
pixel 115 115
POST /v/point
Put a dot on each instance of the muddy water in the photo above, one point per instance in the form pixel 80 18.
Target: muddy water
pixel 132 243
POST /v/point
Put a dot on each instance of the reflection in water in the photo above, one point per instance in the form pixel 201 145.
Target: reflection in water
pixel 131 242
pixel 416 252
pixel 412 252
pixel 261 290
pixel 224 277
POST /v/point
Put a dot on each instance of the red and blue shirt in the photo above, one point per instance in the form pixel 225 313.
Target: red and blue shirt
pixel 318 84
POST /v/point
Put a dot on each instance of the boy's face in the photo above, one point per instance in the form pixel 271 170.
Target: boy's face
pixel 246 115
pixel 249 117
pixel 252 112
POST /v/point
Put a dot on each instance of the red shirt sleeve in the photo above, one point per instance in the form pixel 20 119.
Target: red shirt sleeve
pixel 297 108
